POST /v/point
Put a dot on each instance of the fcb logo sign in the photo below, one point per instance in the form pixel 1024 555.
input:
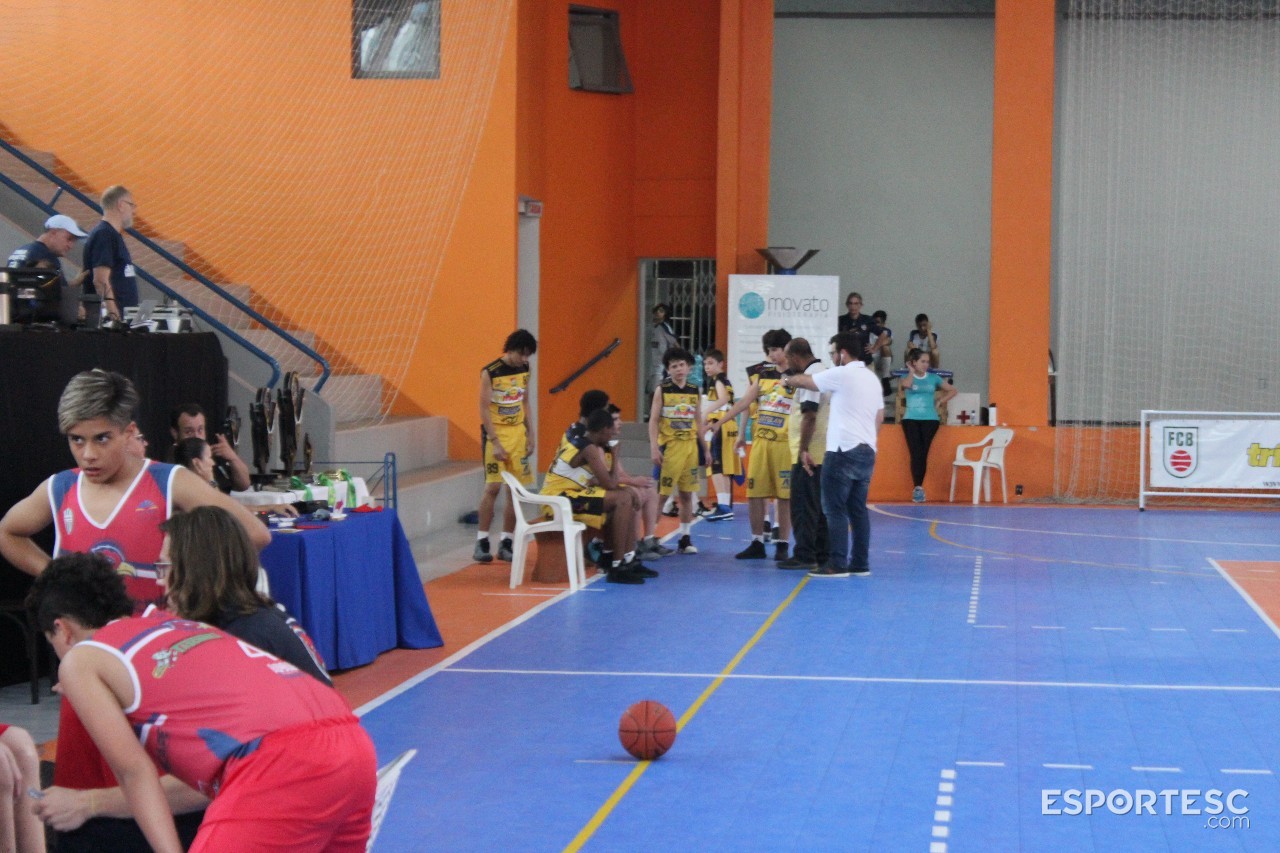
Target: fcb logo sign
pixel 1180 449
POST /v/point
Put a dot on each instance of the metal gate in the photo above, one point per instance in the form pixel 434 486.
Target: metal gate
pixel 688 286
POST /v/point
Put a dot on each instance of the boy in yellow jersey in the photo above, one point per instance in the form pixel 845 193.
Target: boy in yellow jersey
pixel 723 462
pixel 769 469
pixel 675 430
pixel 506 436
pixel 587 474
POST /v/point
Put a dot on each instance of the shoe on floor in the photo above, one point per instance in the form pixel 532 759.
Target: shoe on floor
pixel 657 548
pixel 686 546
pixel 637 568
pixel 917 494
pixel 504 551
pixel 860 573
pixel 622 575
pixel 481 553
pixel 754 551
pixel 781 551
pixel 673 512
pixel 700 509
pixel 829 572
pixel 795 563
pixel 720 513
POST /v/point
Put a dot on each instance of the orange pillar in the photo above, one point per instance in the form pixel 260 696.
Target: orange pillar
pixel 742 144
pixel 1021 210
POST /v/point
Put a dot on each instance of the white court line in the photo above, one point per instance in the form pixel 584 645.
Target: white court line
pixel 875 508
pixel 887 551
pixel 1049 627
pixel 1068 766
pixel 975 591
pixel 1244 771
pixel 1183 630
pixel 1248 598
pixel 1160 582
pixel 1105 628
pixel 1263 571
pixel 1156 769
pixel 991 626
pixel 1228 631
pixel 980 764
pixel 866 679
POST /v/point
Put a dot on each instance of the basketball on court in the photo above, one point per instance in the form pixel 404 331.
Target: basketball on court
pixel 647 729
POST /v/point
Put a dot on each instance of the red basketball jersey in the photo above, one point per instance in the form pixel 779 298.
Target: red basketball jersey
pixel 206 699
pixel 130 538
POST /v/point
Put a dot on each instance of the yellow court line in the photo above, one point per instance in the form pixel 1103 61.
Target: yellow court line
pixel 933 532
pixel 584 835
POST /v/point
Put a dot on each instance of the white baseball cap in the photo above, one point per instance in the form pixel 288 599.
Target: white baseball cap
pixel 66 223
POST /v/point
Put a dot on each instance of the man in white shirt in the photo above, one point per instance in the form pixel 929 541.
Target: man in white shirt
pixel 857 411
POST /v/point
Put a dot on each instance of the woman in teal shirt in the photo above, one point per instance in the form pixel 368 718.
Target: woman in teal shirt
pixel 920 418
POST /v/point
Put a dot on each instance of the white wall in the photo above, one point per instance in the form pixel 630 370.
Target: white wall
pixel 881 158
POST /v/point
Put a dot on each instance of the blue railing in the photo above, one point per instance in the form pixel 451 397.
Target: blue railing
pixel 63 186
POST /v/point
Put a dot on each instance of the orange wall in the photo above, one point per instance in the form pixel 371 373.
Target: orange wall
pixel 206 112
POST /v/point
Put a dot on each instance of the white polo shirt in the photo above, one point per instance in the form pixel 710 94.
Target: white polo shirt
pixel 856 400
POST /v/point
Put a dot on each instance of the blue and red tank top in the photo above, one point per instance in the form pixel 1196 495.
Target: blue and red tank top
pixel 206 699
pixel 130 538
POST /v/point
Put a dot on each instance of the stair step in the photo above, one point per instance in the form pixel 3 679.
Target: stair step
pixel 431 499
pixel 290 358
pixel 147 259
pixel 352 397
pixel 417 442
pixel 198 294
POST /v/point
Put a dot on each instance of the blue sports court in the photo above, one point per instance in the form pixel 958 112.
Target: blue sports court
pixel 997 660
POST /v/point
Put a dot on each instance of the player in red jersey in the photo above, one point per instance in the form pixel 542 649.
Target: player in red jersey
pixel 287 764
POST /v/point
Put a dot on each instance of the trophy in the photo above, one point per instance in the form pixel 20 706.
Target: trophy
pixel 262 414
pixel 291 398
pixel 308 453
pixel 231 427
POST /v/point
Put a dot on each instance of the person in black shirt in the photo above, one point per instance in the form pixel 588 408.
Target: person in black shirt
pixel 106 255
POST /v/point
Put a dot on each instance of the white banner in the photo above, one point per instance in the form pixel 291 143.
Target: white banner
pixel 1214 454
pixel 807 306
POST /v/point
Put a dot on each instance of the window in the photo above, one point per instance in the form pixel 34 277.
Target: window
pixel 395 38
pixel 596 63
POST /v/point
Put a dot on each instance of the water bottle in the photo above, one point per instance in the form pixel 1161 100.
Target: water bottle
pixel 992 420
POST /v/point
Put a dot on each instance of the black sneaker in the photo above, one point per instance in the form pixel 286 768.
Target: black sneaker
pixel 638 569
pixel 504 551
pixel 755 551
pixel 623 575
pixel 860 573
pixel 781 551
pixel 674 512
pixel 686 546
pixel 829 572
pixel 481 553
pixel 702 509
pixel 795 563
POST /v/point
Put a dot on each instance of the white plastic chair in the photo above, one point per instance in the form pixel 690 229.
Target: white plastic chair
pixel 992 456
pixel 561 521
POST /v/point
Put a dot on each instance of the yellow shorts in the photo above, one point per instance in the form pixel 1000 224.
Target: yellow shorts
pixel 588 507
pixel 515 440
pixel 679 467
pixel 769 470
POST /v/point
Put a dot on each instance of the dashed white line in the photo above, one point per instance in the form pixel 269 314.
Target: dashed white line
pixel 1049 627
pixel 991 626
pixel 1229 631
pixel 1069 766
pixel 1105 628
pixel 522 594
pixel 1246 771
pixel 1156 769
pixel 1183 630
pixel 980 764
pixel 975 590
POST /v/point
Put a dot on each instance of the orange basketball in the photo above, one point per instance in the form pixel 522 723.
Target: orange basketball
pixel 647 729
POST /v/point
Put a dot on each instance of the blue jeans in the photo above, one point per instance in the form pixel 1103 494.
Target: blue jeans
pixel 846 478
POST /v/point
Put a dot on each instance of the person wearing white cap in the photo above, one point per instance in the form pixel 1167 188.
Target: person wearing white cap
pixel 107 256
pixel 47 250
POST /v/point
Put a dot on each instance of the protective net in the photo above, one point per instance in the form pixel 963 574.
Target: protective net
pixel 311 155
pixel 1168 211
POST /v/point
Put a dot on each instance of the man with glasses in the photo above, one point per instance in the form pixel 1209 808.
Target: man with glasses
pixel 107 256
pixel 871 334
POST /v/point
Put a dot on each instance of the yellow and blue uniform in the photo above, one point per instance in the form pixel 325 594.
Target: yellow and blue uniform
pixel 677 438
pixel 769 473
pixel 577 483
pixel 507 414
pixel 723 458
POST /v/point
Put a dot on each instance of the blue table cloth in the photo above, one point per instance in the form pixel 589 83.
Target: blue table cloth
pixel 354 586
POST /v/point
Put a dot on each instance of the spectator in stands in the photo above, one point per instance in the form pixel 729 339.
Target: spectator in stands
pixel 925 339
pixel 106 256
pixel 290 765
pixel 807 432
pixel 20 829
pixel 921 392
pixel 675 433
pixel 506 436
pixel 661 339
pixel 230 472
pixel 884 359
pixel 863 326
pixel 589 479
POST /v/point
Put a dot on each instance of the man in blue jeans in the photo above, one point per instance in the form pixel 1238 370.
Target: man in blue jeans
pixel 857 411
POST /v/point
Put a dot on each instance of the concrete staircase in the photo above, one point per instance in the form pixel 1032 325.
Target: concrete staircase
pixel 433 491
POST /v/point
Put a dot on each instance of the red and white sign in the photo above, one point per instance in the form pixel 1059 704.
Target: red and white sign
pixel 1214 454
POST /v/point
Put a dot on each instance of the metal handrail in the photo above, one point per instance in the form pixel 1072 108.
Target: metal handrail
pixel 195 309
pixel 63 186
pixel 604 353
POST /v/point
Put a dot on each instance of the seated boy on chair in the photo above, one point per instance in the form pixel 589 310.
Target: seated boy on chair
pixel 598 499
